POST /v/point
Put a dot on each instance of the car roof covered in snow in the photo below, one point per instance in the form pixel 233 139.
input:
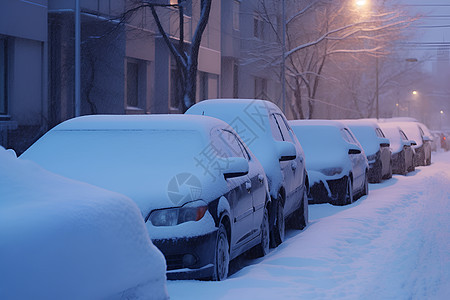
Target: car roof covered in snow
pixel 365 132
pixel 141 122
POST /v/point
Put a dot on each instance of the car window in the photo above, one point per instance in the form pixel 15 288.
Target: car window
pixel 348 136
pixel 379 132
pixel 286 135
pixel 421 131
pixel 403 135
pixel 232 146
pixel 276 132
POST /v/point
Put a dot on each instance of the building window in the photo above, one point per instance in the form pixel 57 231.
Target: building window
pixel 132 84
pixel 260 88
pixel 136 84
pixel 208 86
pixel 258 27
pixel 3 78
pixel 235 80
pixel 236 10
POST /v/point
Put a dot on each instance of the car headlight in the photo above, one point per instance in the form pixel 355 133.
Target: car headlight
pixel 192 211
pixel 331 171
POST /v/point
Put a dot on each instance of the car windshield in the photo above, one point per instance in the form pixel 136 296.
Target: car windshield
pixel 120 160
pixel 367 138
pixel 319 140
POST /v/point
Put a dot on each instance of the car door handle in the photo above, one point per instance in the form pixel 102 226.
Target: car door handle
pixel 248 186
pixel 294 165
pixel 260 178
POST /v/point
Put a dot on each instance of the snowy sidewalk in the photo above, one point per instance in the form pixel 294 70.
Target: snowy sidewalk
pixel 393 244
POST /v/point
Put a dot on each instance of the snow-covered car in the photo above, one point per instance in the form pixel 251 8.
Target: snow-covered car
pixel 265 130
pixel 422 149
pixel 376 147
pixel 401 148
pixel 336 163
pixel 201 192
pixel 63 239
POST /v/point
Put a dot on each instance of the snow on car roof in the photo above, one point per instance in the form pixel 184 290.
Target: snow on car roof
pixel 392 132
pixel 412 131
pixel 364 130
pixel 335 123
pixel 58 235
pixel 140 122
pixel 322 143
pixel 134 155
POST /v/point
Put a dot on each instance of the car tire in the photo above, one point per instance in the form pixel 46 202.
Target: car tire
pixel 349 192
pixel 366 185
pixel 389 175
pixel 222 255
pixel 279 227
pixel 262 248
pixel 299 219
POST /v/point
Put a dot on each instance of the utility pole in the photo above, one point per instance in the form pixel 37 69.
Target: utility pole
pixel 77 59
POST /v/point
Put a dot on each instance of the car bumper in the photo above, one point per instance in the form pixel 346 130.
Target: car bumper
pixel 320 194
pixel 189 258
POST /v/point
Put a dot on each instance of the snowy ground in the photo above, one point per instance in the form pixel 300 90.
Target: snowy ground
pixel 392 244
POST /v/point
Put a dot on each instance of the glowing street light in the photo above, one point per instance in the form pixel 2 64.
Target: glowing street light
pixel 414 92
pixel 361 2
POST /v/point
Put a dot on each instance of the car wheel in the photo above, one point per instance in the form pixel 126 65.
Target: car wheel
pixel 366 185
pixel 299 218
pixel 263 248
pixel 349 192
pixel 222 256
pixel 389 176
pixel 280 226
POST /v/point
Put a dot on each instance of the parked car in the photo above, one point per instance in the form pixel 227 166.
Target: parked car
pixel 336 164
pixel 376 147
pixel 401 148
pixel 265 130
pixel 63 239
pixel 202 193
pixel 422 149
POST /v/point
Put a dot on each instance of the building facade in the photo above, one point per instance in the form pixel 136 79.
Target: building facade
pixel 126 67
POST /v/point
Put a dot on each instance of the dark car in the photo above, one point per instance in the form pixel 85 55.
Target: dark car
pixel 202 193
pixel 335 161
pixel 401 148
pixel 422 149
pixel 265 130
pixel 376 147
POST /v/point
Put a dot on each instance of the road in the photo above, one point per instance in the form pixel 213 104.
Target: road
pixel 392 244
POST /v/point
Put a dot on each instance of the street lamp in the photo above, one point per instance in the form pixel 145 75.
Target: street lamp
pixel 414 92
pixel 361 2
pixel 440 120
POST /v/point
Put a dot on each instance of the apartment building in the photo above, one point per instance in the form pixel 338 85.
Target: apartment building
pixel 126 67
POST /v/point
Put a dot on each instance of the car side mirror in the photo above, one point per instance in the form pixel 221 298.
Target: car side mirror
pixel 384 142
pixel 412 143
pixel 285 150
pixel 234 167
pixel 426 138
pixel 353 149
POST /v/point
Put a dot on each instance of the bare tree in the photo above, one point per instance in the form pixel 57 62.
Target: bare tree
pixel 322 33
pixel 185 54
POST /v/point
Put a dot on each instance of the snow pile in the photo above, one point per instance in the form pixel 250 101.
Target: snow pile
pixel 62 239
pixel 392 244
